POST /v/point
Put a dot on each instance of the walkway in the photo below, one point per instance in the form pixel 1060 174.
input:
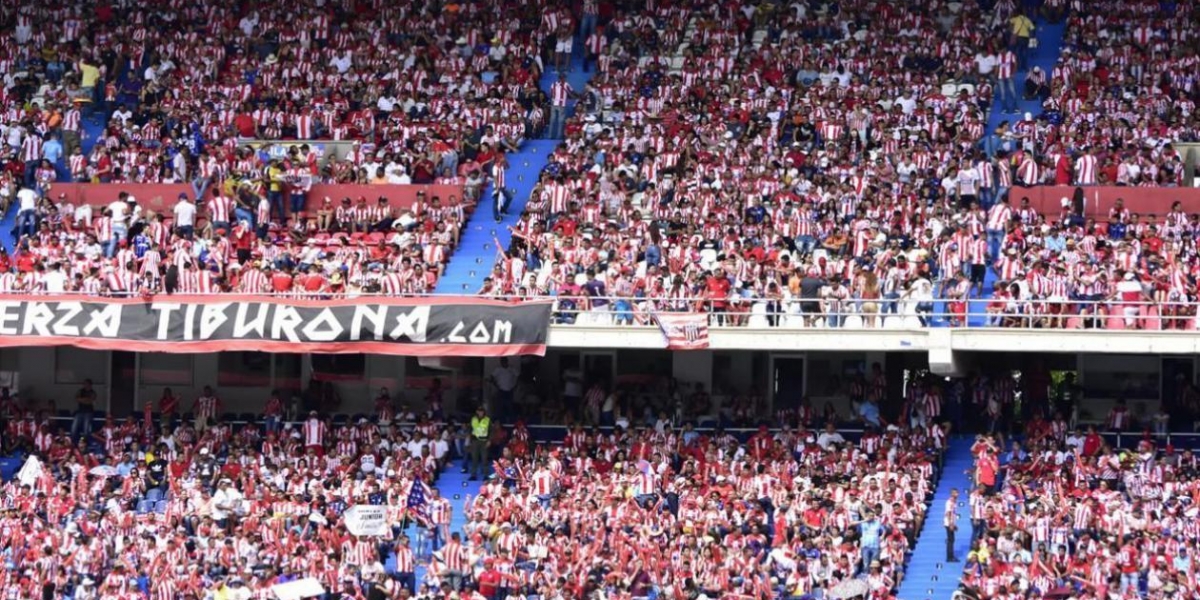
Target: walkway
pixel 476 254
pixel 1049 45
pixel 928 576
pixel 454 485
pixel 1050 42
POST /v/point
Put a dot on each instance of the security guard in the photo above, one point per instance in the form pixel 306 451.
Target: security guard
pixel 477 452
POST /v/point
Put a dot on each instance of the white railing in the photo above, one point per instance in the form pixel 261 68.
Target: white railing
pixel 789 313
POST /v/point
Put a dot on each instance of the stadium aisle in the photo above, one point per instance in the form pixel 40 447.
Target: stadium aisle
pixel 1050 42
pixel 928 576
pixel 476 252
pixel 454 485
pixel 8 221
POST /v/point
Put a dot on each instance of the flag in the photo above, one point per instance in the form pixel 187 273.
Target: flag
pixel 30 472
pixel 683 331
pixel 418 501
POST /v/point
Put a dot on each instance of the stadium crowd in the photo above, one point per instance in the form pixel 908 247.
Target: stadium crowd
pixel 230 243
pixel 422 94
pixel 723 157
pixel 1063 514
pixel 426 89
pixel 739 183
pixel 172 505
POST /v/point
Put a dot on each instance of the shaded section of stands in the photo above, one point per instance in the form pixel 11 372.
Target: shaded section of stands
pixel 929 576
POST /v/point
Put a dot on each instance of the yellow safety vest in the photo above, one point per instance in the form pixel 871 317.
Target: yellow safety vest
pixel 480 426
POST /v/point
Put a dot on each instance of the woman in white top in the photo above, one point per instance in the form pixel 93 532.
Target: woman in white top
pixel 918 298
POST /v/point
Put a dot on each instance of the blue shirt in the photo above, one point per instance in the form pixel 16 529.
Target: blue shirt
pixel 52 150
pixel 869 413
pixel 871 532
pixel 1056 243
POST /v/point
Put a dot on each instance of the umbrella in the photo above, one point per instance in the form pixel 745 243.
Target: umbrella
pixel 103 471
pixel 848 589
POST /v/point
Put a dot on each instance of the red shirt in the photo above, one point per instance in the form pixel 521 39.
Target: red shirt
pixel 242 238
pixel 281 282
pixel 489 583
pixel 314 283
pixel 244 123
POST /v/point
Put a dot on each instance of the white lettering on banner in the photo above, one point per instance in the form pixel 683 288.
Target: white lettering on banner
pixel 189 321
pixel 69 310
pixel 164 318
pixel 285 322
pixel 251 321
pixel 37 319
pixel 500 334
pixel 212 317
pixel 480 334
pixel 106 321
pixel 412 325
pixel 366 520
pixel 377 317
pixel 9 311
pixel 257 326
pixel 333 329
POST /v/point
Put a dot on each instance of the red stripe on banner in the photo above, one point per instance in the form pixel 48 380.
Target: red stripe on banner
pixel 275 346
pixel 306 302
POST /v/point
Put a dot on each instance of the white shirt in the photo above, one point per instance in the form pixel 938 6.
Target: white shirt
pixel 341 63
pixel 119 210
pixel 83 214
pixel 224 502
pixel 185 214
pixel 27 199
pixel 826 440
pixel 55 281
pixel 986 63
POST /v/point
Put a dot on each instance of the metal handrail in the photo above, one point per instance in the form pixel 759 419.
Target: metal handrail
pixel 767 313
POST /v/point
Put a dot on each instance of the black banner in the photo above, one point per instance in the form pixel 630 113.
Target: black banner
pixel 188 324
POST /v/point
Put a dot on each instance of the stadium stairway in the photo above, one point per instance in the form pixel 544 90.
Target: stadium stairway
pixel 928 576
pixel 1049 45
pixel 459 489
pixel 476 254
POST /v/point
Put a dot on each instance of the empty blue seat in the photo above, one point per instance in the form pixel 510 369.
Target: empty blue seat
pixel 154 494
pixel 160 507
pixel 144 506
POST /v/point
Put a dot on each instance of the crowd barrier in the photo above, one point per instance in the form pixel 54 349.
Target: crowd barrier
pixel 160 197
pixel 1099 199
pixel 746 312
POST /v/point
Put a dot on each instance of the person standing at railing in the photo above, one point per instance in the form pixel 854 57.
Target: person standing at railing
pixel 1129 290
pixel 834 302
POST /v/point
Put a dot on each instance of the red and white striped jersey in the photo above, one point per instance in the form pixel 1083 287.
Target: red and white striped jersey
pixel 31 147
pixel 560 92
pixel 314 432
